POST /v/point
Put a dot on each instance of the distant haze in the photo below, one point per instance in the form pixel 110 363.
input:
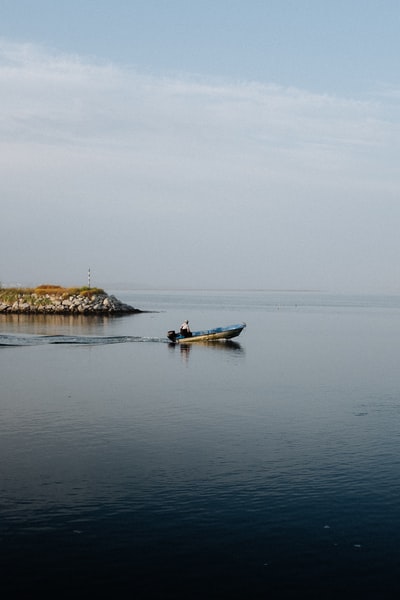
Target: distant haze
pixel 249 156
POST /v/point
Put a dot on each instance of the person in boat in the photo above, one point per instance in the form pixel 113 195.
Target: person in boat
pixel 185 329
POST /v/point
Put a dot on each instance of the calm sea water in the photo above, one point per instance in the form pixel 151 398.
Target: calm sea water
pixel 264 467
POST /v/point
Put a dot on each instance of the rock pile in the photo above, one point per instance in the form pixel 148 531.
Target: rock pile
pixel 95 304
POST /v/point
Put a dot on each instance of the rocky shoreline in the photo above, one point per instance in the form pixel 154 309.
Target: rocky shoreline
pixel 79 304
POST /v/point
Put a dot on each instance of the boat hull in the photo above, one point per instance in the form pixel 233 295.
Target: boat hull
pixel 210 335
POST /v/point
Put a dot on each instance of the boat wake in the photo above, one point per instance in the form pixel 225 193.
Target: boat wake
pixel 81 340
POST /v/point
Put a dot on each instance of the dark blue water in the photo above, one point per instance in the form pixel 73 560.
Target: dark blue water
pixel 268 466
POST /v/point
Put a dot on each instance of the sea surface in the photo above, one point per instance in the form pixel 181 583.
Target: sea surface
pixel 264 467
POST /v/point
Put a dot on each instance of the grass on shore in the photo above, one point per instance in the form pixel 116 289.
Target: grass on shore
pixel 11 295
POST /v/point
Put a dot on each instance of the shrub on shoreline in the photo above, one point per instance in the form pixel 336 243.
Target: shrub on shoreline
pixel 10 295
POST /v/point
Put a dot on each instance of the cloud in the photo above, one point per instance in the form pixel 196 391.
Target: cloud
pixel 118 147
pixel 59 99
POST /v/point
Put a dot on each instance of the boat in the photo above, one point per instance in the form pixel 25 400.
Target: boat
pixel 207 335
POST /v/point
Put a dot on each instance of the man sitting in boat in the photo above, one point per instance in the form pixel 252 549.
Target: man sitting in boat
pixel 185 329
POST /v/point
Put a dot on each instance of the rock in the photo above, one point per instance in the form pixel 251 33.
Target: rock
pixel 77 304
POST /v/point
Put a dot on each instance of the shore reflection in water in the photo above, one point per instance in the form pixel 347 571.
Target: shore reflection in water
pixel 59 324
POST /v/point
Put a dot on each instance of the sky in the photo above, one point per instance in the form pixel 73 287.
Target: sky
pixel 222 144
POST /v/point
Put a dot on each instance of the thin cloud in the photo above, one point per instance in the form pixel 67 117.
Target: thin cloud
pixel 71 99
pixel 92 139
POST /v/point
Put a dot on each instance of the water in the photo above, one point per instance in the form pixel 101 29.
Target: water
pixel 267 466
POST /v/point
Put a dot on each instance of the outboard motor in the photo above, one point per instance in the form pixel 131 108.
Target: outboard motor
pixel 171 335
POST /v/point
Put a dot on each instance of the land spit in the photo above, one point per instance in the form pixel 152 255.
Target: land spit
pixel 62 301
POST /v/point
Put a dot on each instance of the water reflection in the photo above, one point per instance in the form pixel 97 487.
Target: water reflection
pixel 57 324
pixel 185 349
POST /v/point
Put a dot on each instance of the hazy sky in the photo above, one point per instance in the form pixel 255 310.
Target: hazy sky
pixel 201 144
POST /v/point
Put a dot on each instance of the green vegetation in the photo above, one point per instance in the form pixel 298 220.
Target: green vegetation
pixel 62 292
pixel 38 295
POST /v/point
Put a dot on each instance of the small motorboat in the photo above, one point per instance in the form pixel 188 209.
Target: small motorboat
pixel 207 335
